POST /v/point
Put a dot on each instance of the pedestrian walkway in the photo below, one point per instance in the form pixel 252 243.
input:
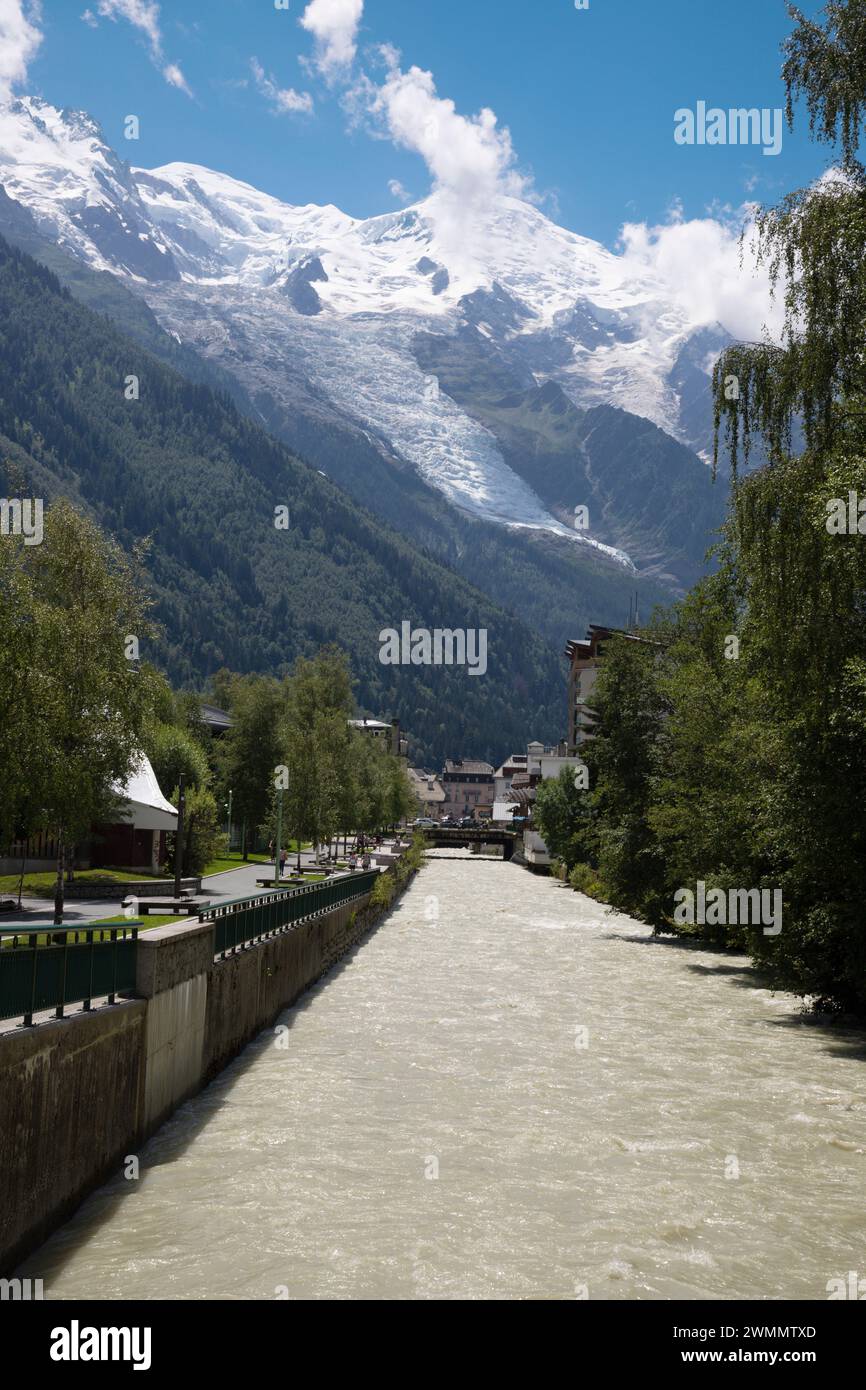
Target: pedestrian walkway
pixel 228 885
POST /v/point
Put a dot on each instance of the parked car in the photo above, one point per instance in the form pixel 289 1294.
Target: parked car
pixel 467 822
pixel 448 823
pixel 424 823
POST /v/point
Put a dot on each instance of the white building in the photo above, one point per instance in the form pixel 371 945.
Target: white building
pixel 429 791
pixel 540 765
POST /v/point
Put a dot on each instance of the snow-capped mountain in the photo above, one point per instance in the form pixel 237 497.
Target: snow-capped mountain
pixel 292 298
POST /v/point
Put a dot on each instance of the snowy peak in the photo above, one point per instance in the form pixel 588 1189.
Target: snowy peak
pixel 208 226
pixel 308 298
pixel 58 165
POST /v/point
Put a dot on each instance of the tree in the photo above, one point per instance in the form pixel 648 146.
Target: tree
pixel 318 742
pixel 813 245
pixel 203 837
pixel 372 787
pixel 622 756
pixel 564 818
pixel 253 748
pixel 802 588
pixel 171 751
pixel 72 707
pixel 400 798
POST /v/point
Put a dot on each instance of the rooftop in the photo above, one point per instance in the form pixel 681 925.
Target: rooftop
pixel 215 718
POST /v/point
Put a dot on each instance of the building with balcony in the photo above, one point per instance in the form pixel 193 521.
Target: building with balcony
pixel 584 660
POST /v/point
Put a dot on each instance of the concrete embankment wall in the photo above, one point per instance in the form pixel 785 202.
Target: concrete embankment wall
pixel 77 1095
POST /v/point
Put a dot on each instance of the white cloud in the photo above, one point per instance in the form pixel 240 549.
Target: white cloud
pixel 20 38
pixel 175 78
pixel 697 264
pixel 334 25
pixel 283 100
pixel 471 157
pixel 88 17
pixel 143 15
pixel 396 189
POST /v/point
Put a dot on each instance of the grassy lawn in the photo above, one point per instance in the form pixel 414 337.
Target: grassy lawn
pixel 147 923
pixel 41 885
pixel 235 860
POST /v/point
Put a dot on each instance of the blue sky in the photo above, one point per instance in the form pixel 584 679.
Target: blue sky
pixel 588 96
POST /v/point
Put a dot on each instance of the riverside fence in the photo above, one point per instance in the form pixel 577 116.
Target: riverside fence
pixel 50 967
pixel 243 921
pixel 44 967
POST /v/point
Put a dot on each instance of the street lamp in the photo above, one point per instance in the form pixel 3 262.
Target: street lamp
pixel 278 845
pixel 229 828
pixel 178 839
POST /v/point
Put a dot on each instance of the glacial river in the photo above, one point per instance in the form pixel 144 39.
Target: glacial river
pixel 505 1092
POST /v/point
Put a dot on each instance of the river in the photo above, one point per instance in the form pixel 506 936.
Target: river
pixel 505 1092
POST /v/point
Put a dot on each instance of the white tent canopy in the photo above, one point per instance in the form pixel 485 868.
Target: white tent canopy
pixel 146 808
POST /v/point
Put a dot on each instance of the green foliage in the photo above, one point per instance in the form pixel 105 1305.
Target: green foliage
pixel 629 707
pixel 584 879
pixel 813 245
pixel 799 820
pixel 72 709
pixel 173 751
pixel 415 855
pixel 203 839
pixel 562 815
pixel 383 892
pixel 251 750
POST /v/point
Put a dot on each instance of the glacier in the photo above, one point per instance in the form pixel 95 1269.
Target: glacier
pixel 314 294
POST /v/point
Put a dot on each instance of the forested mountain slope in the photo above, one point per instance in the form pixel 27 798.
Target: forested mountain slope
pixel 183 466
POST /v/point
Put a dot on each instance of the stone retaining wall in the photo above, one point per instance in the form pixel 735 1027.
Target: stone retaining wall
pixel 79 1093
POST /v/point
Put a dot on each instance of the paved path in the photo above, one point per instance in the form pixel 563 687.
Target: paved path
pixel 234 883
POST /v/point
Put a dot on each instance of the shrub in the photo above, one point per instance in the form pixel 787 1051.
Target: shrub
pixel 584 879
pixel 203 837
pixel 383 891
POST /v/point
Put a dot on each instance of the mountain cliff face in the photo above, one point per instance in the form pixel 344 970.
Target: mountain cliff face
pixel 319 316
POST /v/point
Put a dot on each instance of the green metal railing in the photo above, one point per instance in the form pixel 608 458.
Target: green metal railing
pixel 63 968
pixel 244 920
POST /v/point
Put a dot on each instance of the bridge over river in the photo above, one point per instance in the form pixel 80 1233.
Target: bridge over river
pixel 505 1092
pixel 443 837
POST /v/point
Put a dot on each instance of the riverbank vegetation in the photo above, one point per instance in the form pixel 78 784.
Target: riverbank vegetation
pixel 289 742
pixel 730 743
pixel 77 708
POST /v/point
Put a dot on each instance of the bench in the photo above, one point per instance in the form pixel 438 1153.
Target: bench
pixel 169 907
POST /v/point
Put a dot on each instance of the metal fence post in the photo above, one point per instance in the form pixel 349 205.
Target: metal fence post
pixel 58 1012
pixel 89 1000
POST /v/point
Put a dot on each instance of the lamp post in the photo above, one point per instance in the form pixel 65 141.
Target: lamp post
pixel 178 842
pixel 229 827
pixel 278 846
pixel 58 886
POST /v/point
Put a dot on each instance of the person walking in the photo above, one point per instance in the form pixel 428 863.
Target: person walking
pixel 284 857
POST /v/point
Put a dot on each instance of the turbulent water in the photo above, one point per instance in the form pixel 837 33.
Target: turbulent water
pixel 506 1092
